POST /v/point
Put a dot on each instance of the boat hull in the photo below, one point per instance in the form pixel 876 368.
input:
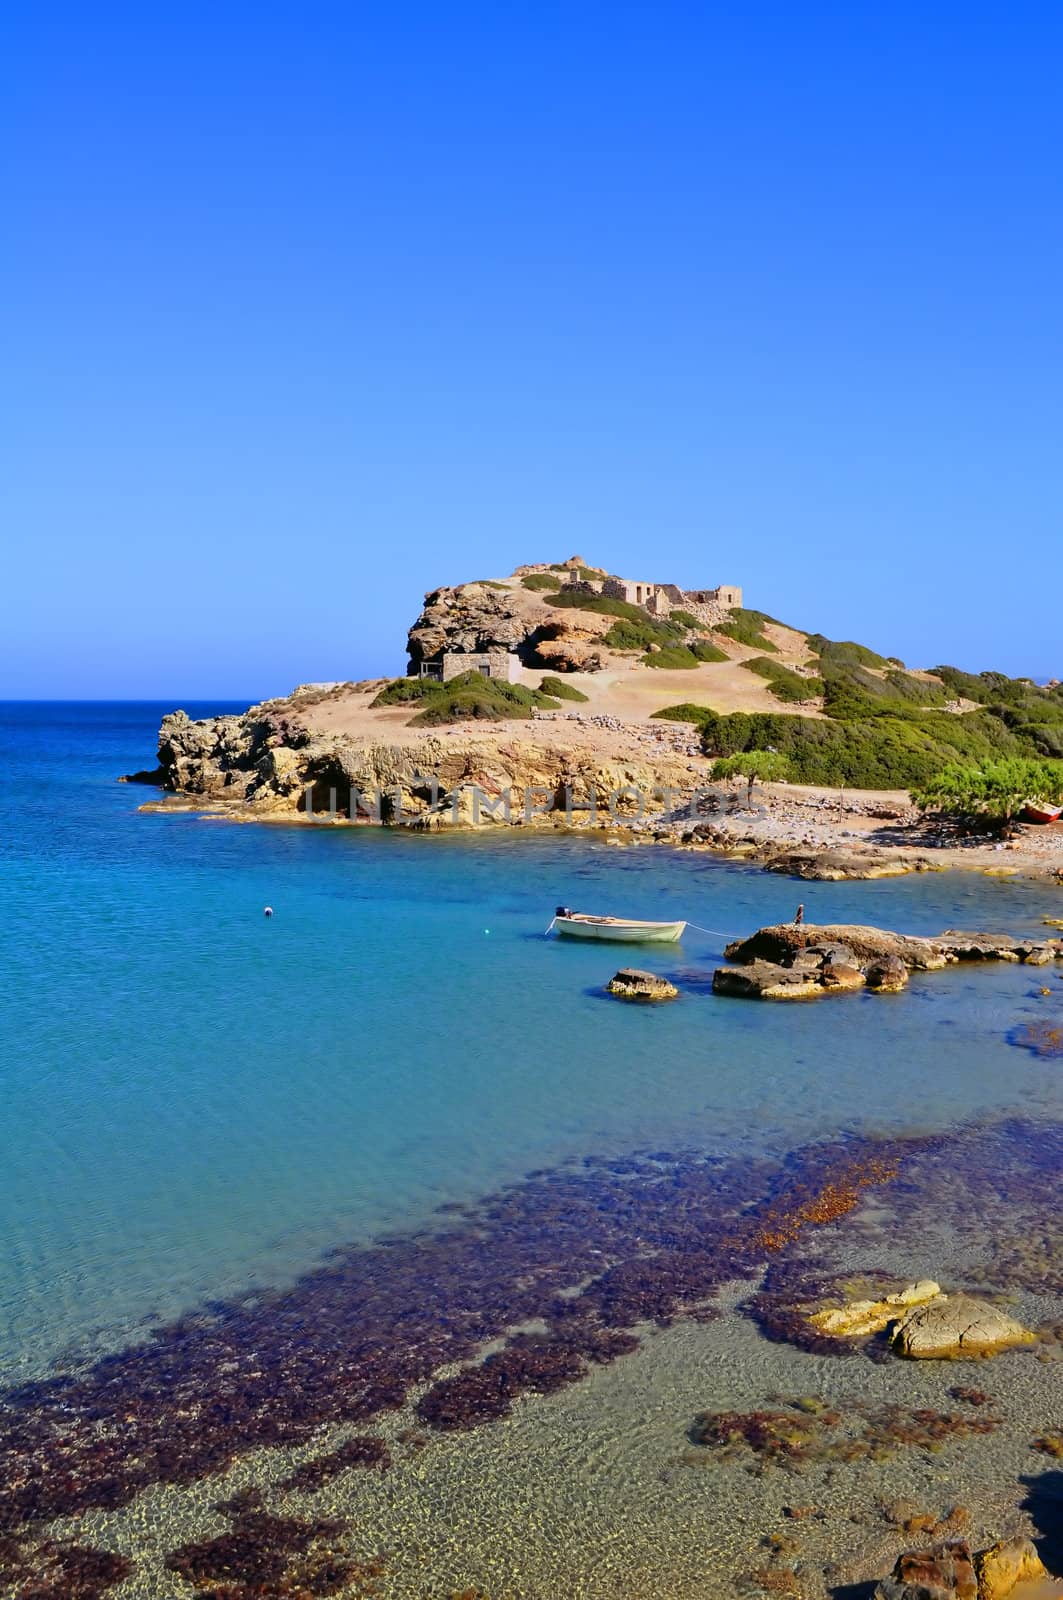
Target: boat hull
pixel 619 932
pixel 1034 813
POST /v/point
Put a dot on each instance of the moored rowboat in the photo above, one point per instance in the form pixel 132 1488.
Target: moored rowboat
pixel 616 930
pixel 1035 811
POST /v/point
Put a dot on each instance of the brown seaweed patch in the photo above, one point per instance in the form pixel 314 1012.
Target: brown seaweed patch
pixel 364 1450
pixel 1044 1039
pixel 61 1571
pixel 834 1199
pixel 646 1238
pixel 796 1432
pixel 266 1555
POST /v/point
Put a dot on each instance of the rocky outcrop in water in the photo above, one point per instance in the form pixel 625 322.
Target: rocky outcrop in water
pixel 955 1327
pixel 799 961
pixel 632 983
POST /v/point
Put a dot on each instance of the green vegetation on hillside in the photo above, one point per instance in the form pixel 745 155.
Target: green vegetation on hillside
pixel 558 689
pixel 844 652
pixel 892 750
pixel 1032 714
pixel 470 695
pixel 745 627
pixel 688 621
pixel 784 683
pixel 641 633
pixel 488 583
pixel 603 604
pixel 540 580
pixel 675 657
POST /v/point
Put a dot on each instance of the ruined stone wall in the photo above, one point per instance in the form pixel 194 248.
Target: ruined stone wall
pixel 499 663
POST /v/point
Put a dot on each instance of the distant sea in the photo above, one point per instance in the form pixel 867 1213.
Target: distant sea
pixel 197 1100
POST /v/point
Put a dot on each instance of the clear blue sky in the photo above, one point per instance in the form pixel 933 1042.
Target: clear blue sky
pixel 311 307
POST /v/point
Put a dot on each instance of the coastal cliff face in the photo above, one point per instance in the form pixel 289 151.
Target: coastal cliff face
pixel 268 762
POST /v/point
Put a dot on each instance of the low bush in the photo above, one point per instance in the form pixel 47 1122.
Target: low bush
pixel 640 633
pixel 472 695
pixel 401 690
pixel 705 650
pixel 685 712
pixel 558 689
pixel 783 683
pixel 687 619
pixel 540 580
pixel 604 604
pixel 745 628
pixel 844 652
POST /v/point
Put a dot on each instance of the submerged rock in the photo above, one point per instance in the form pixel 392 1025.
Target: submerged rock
pixel 631 983
pixel 957 1326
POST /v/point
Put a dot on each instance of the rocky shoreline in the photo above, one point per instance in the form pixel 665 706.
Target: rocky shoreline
pixel 282 761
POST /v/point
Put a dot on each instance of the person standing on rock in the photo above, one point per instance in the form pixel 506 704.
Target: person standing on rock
pixel 799 916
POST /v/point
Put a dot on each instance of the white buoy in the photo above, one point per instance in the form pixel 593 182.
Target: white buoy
pixel 267 911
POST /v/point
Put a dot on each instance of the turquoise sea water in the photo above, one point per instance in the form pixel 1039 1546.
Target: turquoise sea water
pixel 194 1099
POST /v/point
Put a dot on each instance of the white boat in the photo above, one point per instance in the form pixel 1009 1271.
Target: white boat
pixel 616 930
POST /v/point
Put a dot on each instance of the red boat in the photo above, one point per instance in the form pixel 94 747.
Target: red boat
pixel 1034 811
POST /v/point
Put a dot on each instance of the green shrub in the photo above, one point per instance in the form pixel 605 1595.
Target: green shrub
pixel 687 619
pixel 487 583
pixel 604 604
pixel 705 650
pixel 844 652
pixel 401 690
pixel 671 657
pixel 560 690
pixel 640 634
pixel 474 695
pixel 783 683
pixel 540 580
pixel 685 712
pixel 745 628
pixel 995 790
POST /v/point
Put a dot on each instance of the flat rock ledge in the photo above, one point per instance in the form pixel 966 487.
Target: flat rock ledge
pixel 794 961
pixel 631 983
pixel 950 1572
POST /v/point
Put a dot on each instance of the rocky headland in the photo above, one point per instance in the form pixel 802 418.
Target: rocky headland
pixel 542 700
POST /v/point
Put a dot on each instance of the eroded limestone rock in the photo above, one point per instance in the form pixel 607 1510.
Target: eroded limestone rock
pixel 955 1327
pixel 861 1318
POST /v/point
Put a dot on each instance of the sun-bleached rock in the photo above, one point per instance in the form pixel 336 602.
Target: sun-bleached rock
pixel 957 1326
pixel 860 1318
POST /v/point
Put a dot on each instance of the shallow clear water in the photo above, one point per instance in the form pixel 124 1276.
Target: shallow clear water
pixel 193 1098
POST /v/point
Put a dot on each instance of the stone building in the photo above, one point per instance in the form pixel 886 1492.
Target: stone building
pixel 495 663
pixel 656 598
